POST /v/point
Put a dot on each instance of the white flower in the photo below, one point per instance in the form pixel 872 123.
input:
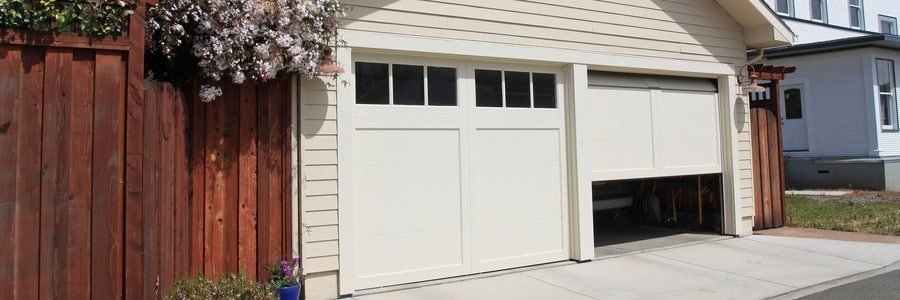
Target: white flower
pixel 209 93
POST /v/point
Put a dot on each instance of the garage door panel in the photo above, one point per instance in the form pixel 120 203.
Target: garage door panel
pixel 518 209
pixel 518 118
pixel 652 132
pixel 688 136
pixel 390 194
pixel 621 130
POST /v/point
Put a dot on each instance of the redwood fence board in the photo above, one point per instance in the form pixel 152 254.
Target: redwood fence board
pixel 117 195
pixel 108 173
pixel 768 161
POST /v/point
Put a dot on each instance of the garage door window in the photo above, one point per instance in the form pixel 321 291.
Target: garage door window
pixel 372 83
pixel 400 84
pixel 441 86
pixel 514 89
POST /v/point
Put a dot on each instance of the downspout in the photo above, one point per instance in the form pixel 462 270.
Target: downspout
pixel 760 52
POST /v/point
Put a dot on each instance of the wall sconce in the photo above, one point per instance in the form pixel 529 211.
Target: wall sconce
pixel 328 66
pixel 749 84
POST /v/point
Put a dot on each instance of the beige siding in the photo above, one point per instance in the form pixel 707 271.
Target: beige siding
pixel 319 200
pixel 744 167
pixel 697 30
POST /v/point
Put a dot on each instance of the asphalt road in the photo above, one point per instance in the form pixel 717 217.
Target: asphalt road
pixel 884 286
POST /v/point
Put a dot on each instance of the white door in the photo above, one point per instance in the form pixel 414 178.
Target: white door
pixel 442 187
pixel 652 126
pixel 793 118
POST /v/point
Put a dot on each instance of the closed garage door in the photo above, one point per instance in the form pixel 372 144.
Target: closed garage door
pixel 652 126
pixel 457 168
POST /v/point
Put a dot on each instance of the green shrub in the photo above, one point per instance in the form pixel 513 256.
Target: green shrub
pixel 231 286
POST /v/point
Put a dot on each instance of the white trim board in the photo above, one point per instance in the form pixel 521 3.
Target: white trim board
pixel 395 43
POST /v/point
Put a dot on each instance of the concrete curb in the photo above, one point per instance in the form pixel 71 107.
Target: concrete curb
pixel 806 291
pixel 817 193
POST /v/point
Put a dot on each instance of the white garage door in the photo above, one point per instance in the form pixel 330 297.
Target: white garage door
pixel 457 169
pixel 652 126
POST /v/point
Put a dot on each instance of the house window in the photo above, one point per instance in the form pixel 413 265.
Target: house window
pixel 818 10
pixel 402 84
pixel 888 25
pixel 886 93
pixel 494 88
pixel 856 14
pixel 785 7
pixel 793 104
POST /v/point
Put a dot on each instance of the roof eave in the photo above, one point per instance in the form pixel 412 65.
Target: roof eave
pixel 762 27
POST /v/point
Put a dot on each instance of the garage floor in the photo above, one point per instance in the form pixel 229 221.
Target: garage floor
pixel 621 238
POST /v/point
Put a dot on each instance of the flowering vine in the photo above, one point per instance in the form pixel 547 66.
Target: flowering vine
pixel 242 39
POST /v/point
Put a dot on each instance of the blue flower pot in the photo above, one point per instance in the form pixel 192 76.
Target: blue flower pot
pixel 289 293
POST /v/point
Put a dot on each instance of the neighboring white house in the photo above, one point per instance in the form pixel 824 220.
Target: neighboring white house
pixel 466 134
pixel 839 109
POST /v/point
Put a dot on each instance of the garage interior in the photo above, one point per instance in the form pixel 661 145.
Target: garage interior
pixel 642 214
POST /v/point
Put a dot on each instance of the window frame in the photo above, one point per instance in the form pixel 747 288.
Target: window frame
pixel 530 71
pixel 859 13
pixel 823 10
pixel 892 94
pixel 425 64
pixel 892 20
pixel 790 8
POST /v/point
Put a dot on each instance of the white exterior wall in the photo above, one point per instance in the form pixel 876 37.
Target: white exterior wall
pixel 813 33
pixel 687 37
pixel 838 110
pixel 838 14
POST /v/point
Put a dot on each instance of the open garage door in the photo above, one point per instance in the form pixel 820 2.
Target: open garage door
pixel 645 126
pixel 457 169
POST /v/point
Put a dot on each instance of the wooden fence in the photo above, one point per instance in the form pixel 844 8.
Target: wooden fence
pixel 217 181
pixel 105 193
pixel 768 158
pixel 62 131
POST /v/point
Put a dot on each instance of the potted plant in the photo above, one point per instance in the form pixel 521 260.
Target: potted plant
pixel 285 276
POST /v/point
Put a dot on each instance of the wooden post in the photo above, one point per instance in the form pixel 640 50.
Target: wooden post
pixel 134 144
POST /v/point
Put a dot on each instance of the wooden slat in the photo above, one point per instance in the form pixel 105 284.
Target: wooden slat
pixel 183 221
pixel 198 180
pixel 247 177
pixel 108 173
pixel 10 67
pixel 134 145
pixel 230 174
pixel 80 106
pixel 152 191
pixel 757 175
pixel 65 229
pixel 214 255
pixel 287 206
pixel 777 166
pixel 28 173
pixel 774 175
pixel 56 90
pixel 166 107
pixel 269 164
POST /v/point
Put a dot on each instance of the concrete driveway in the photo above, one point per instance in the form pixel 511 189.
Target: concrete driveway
pixel 753 267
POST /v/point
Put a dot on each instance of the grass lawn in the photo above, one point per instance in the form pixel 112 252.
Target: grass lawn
pixel 869 212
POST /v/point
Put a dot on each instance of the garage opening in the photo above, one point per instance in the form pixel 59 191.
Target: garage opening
pixel 655 160
pixel 643 214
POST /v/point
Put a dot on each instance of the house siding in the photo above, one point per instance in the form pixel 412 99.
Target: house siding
pixel 689 30
pixel 838 14
pixel 839 119
pixel 888 140
pixel 319 187
pixel 697 30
